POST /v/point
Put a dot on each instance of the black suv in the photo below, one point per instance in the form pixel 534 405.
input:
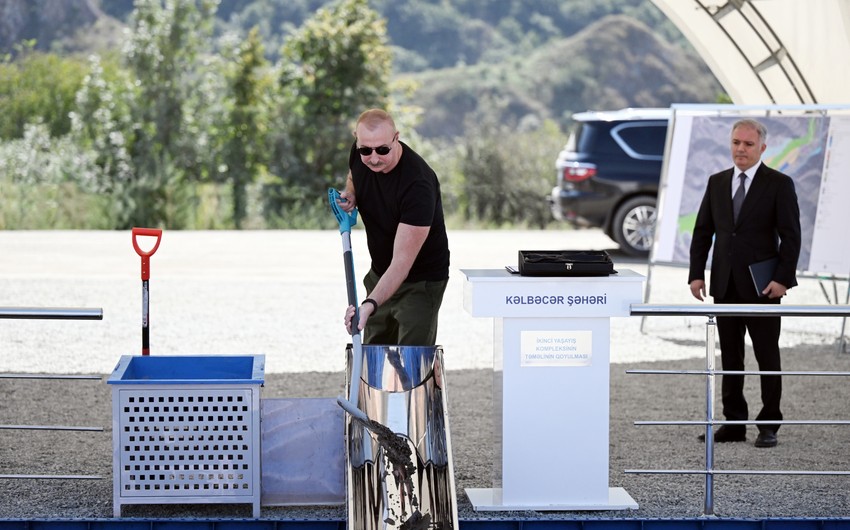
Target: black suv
pixel 608 174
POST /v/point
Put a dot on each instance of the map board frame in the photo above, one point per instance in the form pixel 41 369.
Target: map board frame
pixel 810 143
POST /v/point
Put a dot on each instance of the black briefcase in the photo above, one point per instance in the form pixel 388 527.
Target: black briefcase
pixel 565 263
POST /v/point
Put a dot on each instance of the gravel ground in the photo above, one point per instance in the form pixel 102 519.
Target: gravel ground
pixel 252 293
pixel 634 397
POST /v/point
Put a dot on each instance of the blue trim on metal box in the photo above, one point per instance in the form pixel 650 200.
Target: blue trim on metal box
pixel 189 370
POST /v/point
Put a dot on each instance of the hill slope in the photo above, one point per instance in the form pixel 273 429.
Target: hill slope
pixel 614 63
pixel 66 25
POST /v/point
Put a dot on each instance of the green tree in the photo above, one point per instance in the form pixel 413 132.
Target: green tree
pixel 38 88
pixel 508 169
pixel 162 54
pixel 247 122
pixel 333 67
pixel 101 122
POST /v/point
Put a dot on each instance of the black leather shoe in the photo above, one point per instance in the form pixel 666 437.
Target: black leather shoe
pixel 766 439
pixel 727 434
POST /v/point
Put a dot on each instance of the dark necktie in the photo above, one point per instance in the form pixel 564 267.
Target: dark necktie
pixel 738 198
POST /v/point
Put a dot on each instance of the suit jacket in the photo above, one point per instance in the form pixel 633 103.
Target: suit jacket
pixel 768 226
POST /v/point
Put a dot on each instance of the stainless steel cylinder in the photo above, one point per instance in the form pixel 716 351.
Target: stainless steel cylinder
pixel 405 479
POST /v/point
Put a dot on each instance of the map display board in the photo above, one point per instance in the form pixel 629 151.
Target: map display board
pixel 814 150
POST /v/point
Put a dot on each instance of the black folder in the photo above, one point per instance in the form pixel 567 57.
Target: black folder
pixel 762 273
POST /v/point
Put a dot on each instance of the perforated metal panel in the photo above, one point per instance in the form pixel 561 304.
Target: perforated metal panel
pixel 192 444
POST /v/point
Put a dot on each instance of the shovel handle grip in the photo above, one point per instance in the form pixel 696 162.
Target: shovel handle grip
pixel 146 262
pixel 345 220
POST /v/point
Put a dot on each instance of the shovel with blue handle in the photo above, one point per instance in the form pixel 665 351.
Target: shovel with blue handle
pixel 397 449
pixel 346 221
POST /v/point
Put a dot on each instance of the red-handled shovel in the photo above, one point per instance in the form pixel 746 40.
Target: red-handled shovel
pixel 146 274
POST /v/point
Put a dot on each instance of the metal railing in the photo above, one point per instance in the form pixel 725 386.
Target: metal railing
pixel 711 311
pixel 50 313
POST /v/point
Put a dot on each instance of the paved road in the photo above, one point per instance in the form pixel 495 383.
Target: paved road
pixel 282 293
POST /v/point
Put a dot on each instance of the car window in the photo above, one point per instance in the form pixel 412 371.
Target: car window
pixel 644 141
pixel 585 134
pixel 594 137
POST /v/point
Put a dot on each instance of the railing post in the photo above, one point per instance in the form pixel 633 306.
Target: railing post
pixel 710 329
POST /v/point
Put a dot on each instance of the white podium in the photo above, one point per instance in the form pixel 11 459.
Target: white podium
pixel 551 366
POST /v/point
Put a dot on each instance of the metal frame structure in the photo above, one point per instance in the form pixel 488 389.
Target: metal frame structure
pixel 711 311
pixel 776 51
pixel 28 313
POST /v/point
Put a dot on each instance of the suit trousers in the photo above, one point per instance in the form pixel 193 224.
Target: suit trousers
pixel 764 334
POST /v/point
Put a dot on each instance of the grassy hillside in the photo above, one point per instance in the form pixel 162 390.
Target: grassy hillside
pixel 616 62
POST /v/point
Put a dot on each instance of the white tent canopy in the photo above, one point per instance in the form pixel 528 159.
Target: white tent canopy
pixel 771 51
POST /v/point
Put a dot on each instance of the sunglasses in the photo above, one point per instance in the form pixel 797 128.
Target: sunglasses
pixel 381 150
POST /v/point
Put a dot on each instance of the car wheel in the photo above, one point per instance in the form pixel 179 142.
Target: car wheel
pixel 634 225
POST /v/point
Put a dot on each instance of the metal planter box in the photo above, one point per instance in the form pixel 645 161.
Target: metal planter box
pixel 186 429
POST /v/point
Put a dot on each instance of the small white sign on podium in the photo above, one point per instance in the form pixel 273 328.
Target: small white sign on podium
pixel 551 345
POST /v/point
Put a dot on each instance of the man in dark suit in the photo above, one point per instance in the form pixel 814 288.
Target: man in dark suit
pixel 751 213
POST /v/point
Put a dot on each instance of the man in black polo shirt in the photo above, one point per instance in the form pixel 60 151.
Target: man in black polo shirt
pixel 398 197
